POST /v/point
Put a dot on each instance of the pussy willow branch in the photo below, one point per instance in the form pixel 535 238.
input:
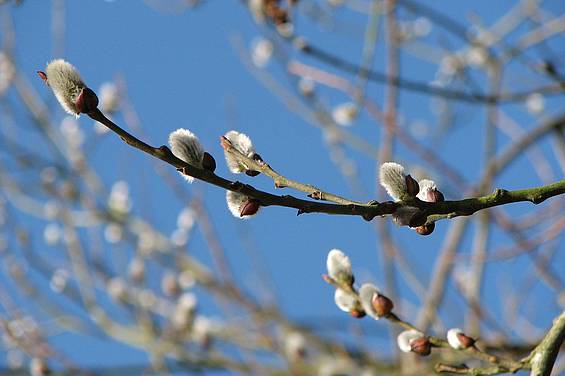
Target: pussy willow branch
pixel 429 212
pixel 502 365
pixel 540 360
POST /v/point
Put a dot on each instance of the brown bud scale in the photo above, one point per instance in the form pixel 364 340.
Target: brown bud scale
pixel 421 346
pixel 208 162
pixel 250 208
pixel 382 305
pixel 86 101
pixel 465 340
pixel 412 186
pixel 358 314
pixel 43 76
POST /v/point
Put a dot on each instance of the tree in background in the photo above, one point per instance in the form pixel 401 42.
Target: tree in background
pixel 468 280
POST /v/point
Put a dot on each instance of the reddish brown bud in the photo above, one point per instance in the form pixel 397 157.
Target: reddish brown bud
pixel 86 101
pixel 434 196
pixel 382 305
pixel 43 76
pixel 250 208
pixel 421 346
pixel 412 186
pixel 358 314
pixel 426 229
pixel 368 217
pixel 466 341
pixel 208 162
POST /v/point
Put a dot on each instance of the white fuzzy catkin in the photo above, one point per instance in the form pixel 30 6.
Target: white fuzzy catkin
pixel 366 294
pixel 339 266
pixel 185 145
pixel 183 312
pixel 453 338
pixel 202 328
pixel 343 300
pixel 393 179
pixel 405 339
pixel 426 186
pixel 294 345
pixel 117 288
pixel 236 202
pixel 38 367
pixel 243 144
pixel 66 83
pixel 345 114
pixel 261 52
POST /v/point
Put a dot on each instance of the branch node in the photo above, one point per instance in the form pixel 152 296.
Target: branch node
pixel 499 193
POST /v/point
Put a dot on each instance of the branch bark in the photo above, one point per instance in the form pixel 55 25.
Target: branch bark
pixel 543 357
pixel 429 212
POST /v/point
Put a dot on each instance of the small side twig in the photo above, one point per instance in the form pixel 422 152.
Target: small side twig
pixel 282 181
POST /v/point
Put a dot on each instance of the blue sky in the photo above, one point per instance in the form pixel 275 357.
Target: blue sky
pixel 183 70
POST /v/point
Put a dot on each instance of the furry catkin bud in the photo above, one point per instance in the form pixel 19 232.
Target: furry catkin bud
pixel 67 85
pixel 407 337
pixel 374 303
pixel 241 206
pixel 429 192
pixel 243 144
pixel 339 267
pixel 393 179
pixel 345 113
pixel 295 346
pixel 186 146
pixel 459 340
pixel 38 367
pixel 344 301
